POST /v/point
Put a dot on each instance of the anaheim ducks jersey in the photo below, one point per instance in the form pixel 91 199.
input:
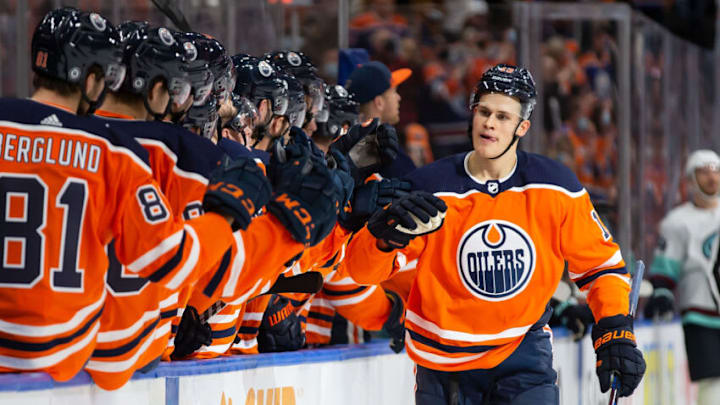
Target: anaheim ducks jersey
pixel 68 186
pixel 139 316
pixel 485 277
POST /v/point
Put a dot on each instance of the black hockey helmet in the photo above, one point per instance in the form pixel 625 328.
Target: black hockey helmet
pixel 300 66
pixel 296 100
pixel 257 80
pixel 510 80
pixel 155 54
pixel 68 42
pixel 203 117
pixel 340 112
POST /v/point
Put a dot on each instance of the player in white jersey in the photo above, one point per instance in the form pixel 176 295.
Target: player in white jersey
pixel 686 261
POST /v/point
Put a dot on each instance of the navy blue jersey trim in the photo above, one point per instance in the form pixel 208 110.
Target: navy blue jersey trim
pixel 248 330
pixel 168 314
pixel 320 316
pixel 330 262
pixel 589 279
pixel 170 264
pixel 333 293
pixel 42 346
pixel 219 334
pixel 219 273
pixel 128 346
pixel 447 348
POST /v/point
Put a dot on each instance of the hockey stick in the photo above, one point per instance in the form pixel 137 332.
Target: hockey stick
pixel 172 11
pixel 634 295
pixel 307 283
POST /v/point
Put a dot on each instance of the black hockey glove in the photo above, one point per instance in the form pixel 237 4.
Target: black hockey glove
pixel 395 324
pixel 617 353
pixel 661 304
pixel 192 334
pixel 415 214
pixel 577 318
pixel 280 329
pixel 369 147
pixel 344 182
pixel 306 194
pixel 239 189
pixel 370 197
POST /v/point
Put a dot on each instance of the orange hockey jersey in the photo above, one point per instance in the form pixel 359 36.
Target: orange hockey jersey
pixel 485 277
pixel 136 322
pixel 69 185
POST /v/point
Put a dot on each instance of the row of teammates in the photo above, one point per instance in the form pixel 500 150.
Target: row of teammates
pixel 177 190
pixel 178 187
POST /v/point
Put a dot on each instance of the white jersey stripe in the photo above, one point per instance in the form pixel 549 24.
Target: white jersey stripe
pixel 80 316
pixel 153 254
pixel 463 336
pixel 22 363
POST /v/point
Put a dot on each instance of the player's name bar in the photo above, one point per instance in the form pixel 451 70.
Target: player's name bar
pixel 38 149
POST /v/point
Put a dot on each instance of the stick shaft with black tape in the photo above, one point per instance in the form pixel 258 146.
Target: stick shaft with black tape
pixel 634 295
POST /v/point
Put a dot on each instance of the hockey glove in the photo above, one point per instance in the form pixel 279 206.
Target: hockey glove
pixel 306 193
pixel 576 317
pixel 343 179
pixel 370 197
pixel 661 304
pixel 280 329
pixel 238 189
pixel 369 147
pixel 395 324
pixel 617 353
pixel 191 335
pixel 416 214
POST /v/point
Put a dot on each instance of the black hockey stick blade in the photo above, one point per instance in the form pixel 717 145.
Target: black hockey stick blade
pixel 172 11
pixel 309 283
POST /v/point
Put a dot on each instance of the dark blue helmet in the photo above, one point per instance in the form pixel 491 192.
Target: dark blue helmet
pixel 197 58
pixel 339 113
pixel 296 100
pixel 211 51
pixel 152 54
pixel 258 80
pixel 300 66
pixel 203 117
pixel 510 80
pixel 68 42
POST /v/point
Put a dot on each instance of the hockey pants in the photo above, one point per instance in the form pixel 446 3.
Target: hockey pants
pixel 526 377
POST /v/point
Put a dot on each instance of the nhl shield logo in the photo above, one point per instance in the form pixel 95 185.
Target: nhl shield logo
pixel 493 187
pixel 496 260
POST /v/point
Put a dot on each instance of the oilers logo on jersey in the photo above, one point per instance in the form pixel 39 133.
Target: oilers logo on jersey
pixel 495 260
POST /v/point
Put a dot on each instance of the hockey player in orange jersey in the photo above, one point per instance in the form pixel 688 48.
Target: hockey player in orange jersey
pixel 476 315
pixel 81 185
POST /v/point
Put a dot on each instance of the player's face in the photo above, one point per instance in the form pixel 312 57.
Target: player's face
pixel 708 179
pixel 495 119
pixel 391 106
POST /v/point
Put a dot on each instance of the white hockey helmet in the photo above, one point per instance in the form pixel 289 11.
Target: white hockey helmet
pixel 701 158
pixel 698 159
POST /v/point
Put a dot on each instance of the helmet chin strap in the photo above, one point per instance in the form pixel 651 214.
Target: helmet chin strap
pixel 92 105
pixel 698 191
pixel 158 116
pixel 512 142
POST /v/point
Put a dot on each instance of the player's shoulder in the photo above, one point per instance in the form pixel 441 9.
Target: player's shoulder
pixel 236 150
pixel 443 175
pixel 535 170
pixel 678 217
pixel 32 115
